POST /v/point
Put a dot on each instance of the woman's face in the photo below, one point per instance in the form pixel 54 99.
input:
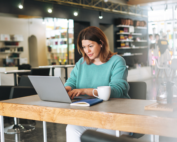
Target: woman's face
pixel 91 48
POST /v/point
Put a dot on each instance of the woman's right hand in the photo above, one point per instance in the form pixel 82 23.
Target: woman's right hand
pixel 68 88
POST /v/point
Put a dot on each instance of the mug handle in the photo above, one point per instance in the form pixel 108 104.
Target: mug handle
pixel 94 94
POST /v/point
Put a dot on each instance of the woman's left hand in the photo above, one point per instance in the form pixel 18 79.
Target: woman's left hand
pixel 76 93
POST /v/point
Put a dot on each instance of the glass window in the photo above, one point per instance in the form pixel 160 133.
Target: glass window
pixel 60 38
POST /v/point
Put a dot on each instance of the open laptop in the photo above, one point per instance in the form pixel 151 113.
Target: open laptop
pixel 50 88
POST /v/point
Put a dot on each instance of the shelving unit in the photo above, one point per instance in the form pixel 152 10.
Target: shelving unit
pixel 10 50
pixel 59 40
pixel 135 49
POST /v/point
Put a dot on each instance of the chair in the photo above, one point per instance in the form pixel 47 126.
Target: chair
pixel 137 90
pixel 37 71
pixel 25 82
pixel 40 71
pixel 25 88
pixel 5 92
pixel 173 68
pixel 94 136
pixel 159 69
pixel 23 67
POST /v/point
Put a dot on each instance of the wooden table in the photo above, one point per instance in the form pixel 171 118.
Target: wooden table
pixel 59 66
pixel 116 114
pixel 15 74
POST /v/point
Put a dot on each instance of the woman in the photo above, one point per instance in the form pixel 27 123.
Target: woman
pixel 98 67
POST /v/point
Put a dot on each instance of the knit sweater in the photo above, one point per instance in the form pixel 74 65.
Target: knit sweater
pixel 113 73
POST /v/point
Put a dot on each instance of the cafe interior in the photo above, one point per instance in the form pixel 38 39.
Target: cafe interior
pixel 39 38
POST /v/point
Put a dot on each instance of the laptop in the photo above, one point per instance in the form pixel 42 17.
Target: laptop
pixel 51 88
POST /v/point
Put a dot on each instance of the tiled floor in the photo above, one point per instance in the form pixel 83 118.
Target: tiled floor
pixel 56 132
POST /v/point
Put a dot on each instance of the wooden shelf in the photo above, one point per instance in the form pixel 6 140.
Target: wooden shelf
pixel 135 54
pixel 124 40
pixel 141 41
pixel 141 47
pixel 129 33
pixel 136 33
pixel 11 58
pixel 10 46
pixel 127 26
pixel 9 52
pixel 124 26
pixel 141 28
pixel 9 41
pixel 123 33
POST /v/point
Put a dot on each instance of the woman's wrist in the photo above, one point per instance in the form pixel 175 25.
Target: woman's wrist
pixel 68 88
pixel 89 91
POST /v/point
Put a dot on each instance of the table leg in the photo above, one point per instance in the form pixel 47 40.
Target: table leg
pixel 45 131
pixel 155 138
pixel 66 73
pixel 53 71
pixel 15 79
pixel 2 128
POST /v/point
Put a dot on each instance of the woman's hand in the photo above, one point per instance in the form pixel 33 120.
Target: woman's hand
pixel 76 93
pixel 68 88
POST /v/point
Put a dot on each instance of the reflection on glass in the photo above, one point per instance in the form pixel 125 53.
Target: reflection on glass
pixel 163 23
pixel 59 34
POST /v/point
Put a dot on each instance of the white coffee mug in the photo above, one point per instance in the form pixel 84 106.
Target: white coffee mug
pixel 104 92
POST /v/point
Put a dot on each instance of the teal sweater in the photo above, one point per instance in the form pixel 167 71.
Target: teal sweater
pixel 113 73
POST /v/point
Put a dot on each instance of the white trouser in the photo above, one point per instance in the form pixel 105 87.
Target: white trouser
pixel 74 132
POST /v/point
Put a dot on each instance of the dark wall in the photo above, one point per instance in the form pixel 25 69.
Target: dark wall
pixel 78 26
pixel 37 8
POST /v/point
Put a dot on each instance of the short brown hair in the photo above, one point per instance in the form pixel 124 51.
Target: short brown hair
pixel 94 34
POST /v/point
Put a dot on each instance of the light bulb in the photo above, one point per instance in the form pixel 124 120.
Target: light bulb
pixel 75 13
pixel 20 6
pixel 100 17
pixel 49 10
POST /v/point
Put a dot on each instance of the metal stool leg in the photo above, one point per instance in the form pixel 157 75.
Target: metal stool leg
pixel 2 128
pixel 45 131
pixel 155 138
pixel 18 128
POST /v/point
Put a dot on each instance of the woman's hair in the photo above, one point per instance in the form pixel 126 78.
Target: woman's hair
pixel 94 34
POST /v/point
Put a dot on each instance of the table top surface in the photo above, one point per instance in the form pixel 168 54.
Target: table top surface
pixel 57 66
pixel 114 105
pixel 17 71
pixel 116 114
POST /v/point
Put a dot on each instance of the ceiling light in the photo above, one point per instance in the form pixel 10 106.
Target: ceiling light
pixel 100 15
pixel 75 13
pixel 20 6
pixel 105 0
pixel 49 10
